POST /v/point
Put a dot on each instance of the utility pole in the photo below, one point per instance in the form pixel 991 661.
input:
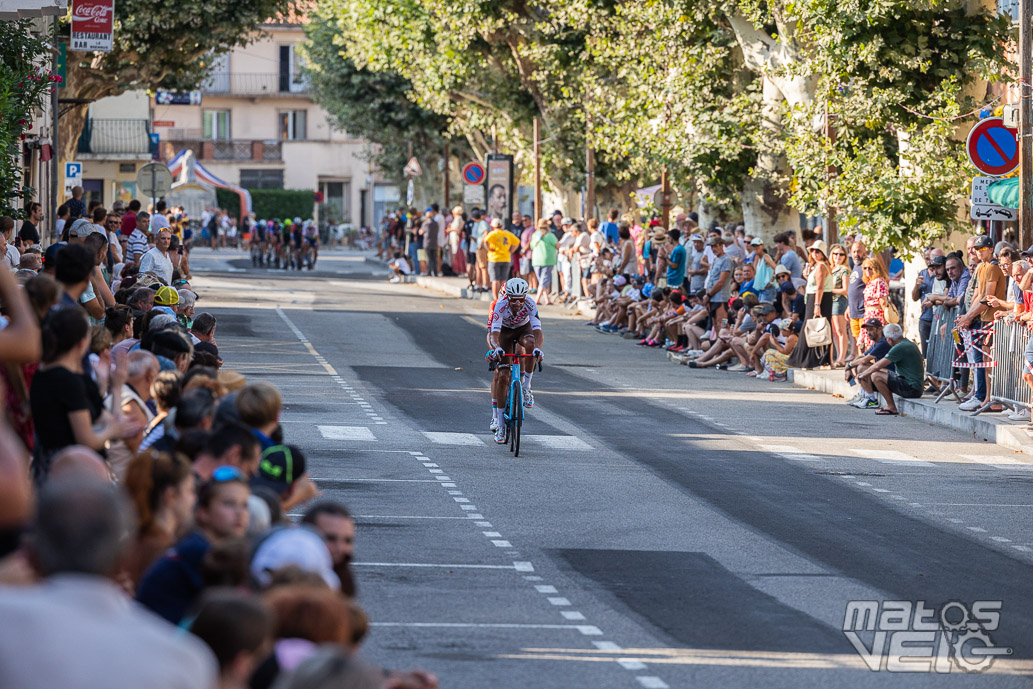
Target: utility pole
pixel 537 134
pixel 589 183
pixel 831 227
pixel 1025 132
pixel 447 205
pixel 665 199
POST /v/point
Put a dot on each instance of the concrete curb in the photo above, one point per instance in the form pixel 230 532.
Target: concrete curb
pixel 987 426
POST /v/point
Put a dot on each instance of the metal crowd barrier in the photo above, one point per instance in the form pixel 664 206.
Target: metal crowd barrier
pixel 1009 346
pixel 940 352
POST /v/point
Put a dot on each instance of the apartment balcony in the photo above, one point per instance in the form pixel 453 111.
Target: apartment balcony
pixel 128 139
pixel 254 84
pixel 229 151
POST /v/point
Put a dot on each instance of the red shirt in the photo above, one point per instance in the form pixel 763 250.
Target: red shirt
pixel 128 223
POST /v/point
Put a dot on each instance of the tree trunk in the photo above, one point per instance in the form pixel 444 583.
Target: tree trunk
pixel 765 208
pixel 69 130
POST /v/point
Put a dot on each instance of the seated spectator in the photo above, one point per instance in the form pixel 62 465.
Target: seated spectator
pixel 399 267
pixel 259 407
pixel 238 628
pixel 75 629
pixel 907 378
pixel 172 584
pixel 337 527
pixel 161 487
pixel 857 366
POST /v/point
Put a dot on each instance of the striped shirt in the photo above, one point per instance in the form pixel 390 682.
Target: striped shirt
pixel 137 244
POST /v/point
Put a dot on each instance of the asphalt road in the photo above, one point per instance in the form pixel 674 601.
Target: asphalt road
pixel 663 527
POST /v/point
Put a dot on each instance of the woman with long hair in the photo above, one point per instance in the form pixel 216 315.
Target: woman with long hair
pixel 840 326
pixel 876 297
pixel 819 304
pixel 118 320
pixel 67 406
pixel 161 487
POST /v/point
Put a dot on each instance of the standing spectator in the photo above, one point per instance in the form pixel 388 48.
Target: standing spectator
pixel 76 629
pixel 717 286
pixel 500 244
pixel 143 370
pixel 138 237
pixel 764 283
pixel 157 261
pixel 259 407
pixel 610 228
pixel 543 259
pixel 337 527
pixel 787 255
pixel 624 260
pixel 876 297
pixel 66 404
pixel 29 232
pixel 676 262
pixel 62 218
pixel 159 221
pixel 840 304
pixel 990 282
pixel 238 628
pixel 202 329
pixel 819 305
pixel 930 281
pixel 697 265
pixel 161 486
pixel 855 291
pixel 10 257
pixel 172 584
pixel 429 230
pixel 76 206
pixel 906 378
pixel 129 217
pixel 455 242
pixel 526 268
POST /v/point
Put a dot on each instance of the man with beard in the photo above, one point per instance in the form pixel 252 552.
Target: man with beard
pixel 335 524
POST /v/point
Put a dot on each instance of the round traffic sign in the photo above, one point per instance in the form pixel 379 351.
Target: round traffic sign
pixel 154 180
pixel 993 148
pixel 473 173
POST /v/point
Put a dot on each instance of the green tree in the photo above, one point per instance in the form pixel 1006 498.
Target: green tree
pixel 156 44
pixel 25 81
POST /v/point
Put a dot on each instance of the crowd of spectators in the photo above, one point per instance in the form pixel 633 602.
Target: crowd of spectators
pixel 144 487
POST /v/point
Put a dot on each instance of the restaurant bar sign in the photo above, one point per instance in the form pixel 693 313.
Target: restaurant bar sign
pixel 93 24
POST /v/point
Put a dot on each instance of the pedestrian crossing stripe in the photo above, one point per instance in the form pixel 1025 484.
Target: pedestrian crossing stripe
pixel 347 433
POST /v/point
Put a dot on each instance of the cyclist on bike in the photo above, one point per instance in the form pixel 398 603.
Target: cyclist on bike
pixel 513 321
pixel 312 242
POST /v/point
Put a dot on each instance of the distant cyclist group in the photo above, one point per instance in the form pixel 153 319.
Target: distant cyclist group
pixel 285 244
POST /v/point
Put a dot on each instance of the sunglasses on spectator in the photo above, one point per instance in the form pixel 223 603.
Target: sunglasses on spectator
pixel 227 472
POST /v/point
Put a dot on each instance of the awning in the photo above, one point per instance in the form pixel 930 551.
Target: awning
pixel 29 9
pixel 1005 192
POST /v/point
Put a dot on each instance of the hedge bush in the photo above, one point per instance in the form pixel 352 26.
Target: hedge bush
pixel 271 203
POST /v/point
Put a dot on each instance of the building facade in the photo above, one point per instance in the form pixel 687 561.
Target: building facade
pixel 257 127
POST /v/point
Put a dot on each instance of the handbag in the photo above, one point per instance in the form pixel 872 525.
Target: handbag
pixel 892 315
pixel 818 332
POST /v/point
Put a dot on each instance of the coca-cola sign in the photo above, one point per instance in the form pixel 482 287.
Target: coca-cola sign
pixel 93 23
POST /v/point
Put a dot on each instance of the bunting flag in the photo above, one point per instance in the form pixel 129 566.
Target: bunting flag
pixel 206 176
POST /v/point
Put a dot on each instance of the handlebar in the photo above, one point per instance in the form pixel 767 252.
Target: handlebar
pixel 493 364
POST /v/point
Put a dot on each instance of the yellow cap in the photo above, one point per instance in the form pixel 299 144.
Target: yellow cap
pixel 166 296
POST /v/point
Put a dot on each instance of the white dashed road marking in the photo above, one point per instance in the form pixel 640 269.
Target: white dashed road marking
pixel 558 442
pixel 347 433
pixel 453 438
pixel 892 457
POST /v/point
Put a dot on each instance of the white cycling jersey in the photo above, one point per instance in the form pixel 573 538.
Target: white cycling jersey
pixel 503 316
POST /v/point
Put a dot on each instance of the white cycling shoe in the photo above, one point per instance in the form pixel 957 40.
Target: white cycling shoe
pixel 494 425
pixel 528 398
pixel 500 435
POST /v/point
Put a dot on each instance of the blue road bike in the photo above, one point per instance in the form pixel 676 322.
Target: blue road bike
pixel 513 415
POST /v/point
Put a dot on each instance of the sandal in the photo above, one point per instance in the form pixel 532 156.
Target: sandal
pixel 883 411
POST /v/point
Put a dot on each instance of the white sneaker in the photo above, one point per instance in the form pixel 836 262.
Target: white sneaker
pixel 395 280
pixel 855 399
pixel 528 398
pixel 739 368
pixel 494 425
pixel 1018 415
pixel 861 402
pixel 500 435
pixel 970 405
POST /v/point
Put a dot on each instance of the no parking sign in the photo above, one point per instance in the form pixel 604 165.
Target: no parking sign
pixel 993 148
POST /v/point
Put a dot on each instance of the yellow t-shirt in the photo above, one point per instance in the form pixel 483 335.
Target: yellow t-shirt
pixel 499 242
